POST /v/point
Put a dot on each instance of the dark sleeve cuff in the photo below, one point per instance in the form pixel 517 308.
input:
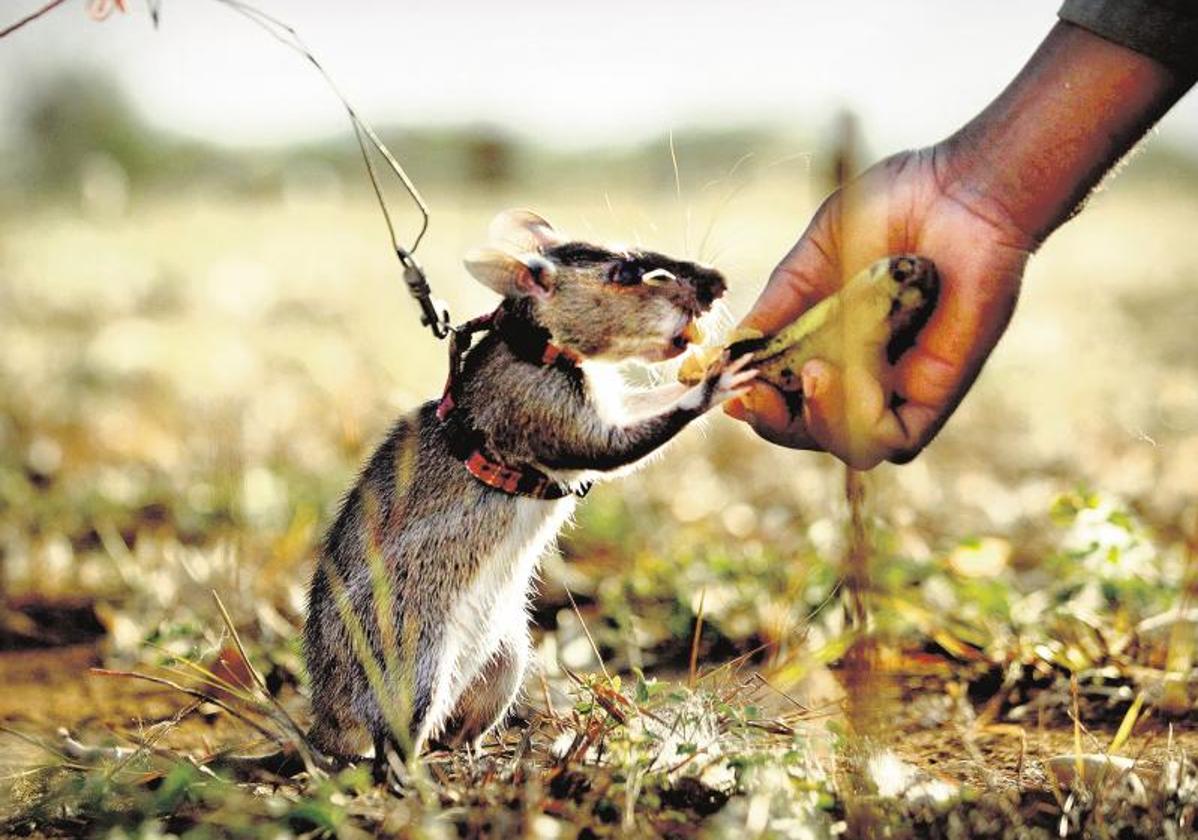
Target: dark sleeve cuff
pixel 1166 30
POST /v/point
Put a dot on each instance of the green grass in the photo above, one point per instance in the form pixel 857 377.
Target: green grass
pixel 188 384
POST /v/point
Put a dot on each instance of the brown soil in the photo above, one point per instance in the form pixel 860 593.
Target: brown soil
pixel 51 688
pixel 45 689
pixel 952 740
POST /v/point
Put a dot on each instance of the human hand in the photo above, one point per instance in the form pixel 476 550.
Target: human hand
pixel 916 203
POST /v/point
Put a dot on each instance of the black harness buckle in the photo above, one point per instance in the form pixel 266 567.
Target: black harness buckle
pixel 434 314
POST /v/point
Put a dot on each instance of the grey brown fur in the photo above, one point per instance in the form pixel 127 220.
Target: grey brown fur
pixel 457 556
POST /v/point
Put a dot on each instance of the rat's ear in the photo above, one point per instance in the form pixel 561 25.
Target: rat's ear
pixel 523 230
pixel 511 275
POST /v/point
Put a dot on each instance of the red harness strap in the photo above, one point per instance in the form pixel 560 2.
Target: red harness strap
pixel 468 443
pixel 460 339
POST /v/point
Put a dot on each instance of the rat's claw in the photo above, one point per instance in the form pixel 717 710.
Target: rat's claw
pixel 738 363
pixel 742 378
pixel 733 383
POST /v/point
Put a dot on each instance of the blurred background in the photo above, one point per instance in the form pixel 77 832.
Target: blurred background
pixel 203 333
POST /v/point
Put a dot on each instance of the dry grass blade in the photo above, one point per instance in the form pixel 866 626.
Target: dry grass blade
pixel 259 683
pixel 1127 725
pixel 698 632
pixel 151 744
pixel 299 739
pixel 550 711
pixel 1077 728
pixel 733 665
pixel 199 695
pixel 590 638
pixel 807 710
pixel 194 669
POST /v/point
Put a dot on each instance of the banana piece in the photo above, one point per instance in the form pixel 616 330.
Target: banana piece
pixel 867 325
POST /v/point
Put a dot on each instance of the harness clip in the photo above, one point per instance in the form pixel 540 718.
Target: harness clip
pixel 434 314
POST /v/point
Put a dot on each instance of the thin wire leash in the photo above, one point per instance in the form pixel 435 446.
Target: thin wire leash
pixel 433 312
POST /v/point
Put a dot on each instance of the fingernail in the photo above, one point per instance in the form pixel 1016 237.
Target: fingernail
pixel 812 382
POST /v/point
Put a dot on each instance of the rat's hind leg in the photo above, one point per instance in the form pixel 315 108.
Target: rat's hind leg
pixel 485 702
pixel 337 734
pixel 337 731
pixel 419 702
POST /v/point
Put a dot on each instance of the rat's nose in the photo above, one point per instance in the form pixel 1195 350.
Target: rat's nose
pixel 709 285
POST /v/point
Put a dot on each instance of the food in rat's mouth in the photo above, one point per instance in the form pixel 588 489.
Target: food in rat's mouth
pixel 690 334
pixel 868 324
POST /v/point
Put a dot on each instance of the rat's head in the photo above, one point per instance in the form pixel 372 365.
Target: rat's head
pixel 599 302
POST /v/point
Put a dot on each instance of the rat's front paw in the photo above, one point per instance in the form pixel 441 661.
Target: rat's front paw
pixel 723 381
pixel 868 324
pixel 726 381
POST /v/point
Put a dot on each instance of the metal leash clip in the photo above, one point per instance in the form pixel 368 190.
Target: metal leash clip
pixel 434 314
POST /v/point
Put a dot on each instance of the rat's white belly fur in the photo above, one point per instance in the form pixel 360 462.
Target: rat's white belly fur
pixel 493 607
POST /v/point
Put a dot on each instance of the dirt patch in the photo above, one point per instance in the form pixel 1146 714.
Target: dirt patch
pixel 49 689
pixel 35 622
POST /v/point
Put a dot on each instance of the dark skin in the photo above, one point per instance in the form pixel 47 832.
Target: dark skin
pixel 978 204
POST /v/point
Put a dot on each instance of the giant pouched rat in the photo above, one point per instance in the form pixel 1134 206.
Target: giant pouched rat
pixel 417 622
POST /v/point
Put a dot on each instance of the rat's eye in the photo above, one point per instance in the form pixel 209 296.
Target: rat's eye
pixel 630 274
pixel 657 277
pixel 625 274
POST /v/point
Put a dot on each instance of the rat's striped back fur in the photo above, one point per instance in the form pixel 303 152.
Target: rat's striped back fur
pixel 417 622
